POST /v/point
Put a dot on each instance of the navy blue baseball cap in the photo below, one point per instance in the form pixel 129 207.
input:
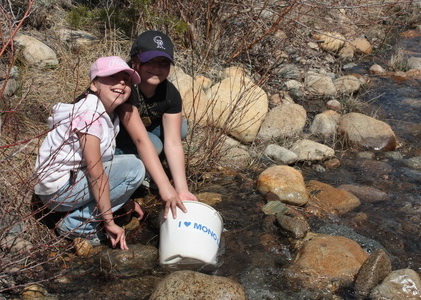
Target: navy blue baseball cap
pixel 151 44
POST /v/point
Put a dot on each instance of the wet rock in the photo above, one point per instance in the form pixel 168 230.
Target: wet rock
pixel 365 193
pixel 413 162
pixel 404 284
pixel 138 259
pixel 326 262
pixel 189 285
pixel 366 132
pixel 331 199
pixel 268 224
pixel 271 243
pixel 373 168
pixel 295 227
pixel 372 272
pixel 209 198
pixel 367 244
pixel 285 182
pixel 274 208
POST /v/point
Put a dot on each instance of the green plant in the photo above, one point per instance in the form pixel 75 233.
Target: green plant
pixel 79 17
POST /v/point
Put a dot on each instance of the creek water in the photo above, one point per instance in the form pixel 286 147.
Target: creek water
pixel 393 224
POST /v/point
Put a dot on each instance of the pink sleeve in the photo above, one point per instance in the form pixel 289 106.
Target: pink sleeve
pixel 88 122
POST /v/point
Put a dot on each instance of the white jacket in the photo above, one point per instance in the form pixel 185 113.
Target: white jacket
pixel 61 153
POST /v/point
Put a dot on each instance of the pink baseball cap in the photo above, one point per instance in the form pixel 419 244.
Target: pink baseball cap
pixel 110 65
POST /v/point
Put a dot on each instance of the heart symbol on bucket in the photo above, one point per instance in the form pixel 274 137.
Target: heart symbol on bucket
pixel 187 224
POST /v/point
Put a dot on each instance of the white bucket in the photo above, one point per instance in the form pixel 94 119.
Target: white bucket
pixel 192 238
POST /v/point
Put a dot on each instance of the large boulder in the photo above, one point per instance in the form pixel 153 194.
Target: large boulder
pixel 326 262
pixel 285 120
pixel 366 132
pixel 36 52
pixel 238 106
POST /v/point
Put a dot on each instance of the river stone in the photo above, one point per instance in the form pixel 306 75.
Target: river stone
pixel 189 285
pixel 138 259
pixel 362 45
pixel 404 284
pixel 325 123
pixel 326 262
pixel 319 84
pixel 295 227
pixel 366 132
pixel 274 208
pixel 372 272
pixel 309 150
pixel 331 199
pixel 209 198
pixel 365 193
pixel 285 120
pixel 280 154
pixel 285 182
pixel 413 162
pixel 347 84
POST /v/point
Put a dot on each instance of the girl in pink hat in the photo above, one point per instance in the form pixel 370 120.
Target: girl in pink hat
pixel 77 169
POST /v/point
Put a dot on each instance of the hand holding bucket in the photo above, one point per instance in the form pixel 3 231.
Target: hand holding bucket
pixel 193 236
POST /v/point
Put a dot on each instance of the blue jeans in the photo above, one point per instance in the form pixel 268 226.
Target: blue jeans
pixel 125 173
pixel 156 136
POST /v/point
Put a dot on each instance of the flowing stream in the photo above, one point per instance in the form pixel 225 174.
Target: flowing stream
pixel 393 224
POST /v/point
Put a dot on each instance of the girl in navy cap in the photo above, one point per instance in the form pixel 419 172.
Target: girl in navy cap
pixel 159 104
pixel 76 168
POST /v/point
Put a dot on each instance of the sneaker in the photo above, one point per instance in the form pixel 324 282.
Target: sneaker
pixel 95 239
pixel 148 183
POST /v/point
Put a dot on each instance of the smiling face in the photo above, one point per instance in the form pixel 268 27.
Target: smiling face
pixel 112 90
pixel 154 71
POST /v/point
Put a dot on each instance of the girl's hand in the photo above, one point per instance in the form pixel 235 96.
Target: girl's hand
pixel 187 195
pixel 117 236
pixel 138 210
pixel 172 201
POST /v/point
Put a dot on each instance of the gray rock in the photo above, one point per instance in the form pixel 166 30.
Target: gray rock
pixel 189 285
pixel 138 259
pixel 372 272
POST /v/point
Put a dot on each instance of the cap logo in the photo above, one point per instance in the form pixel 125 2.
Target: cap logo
pixel 159 42
pixel 116 62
